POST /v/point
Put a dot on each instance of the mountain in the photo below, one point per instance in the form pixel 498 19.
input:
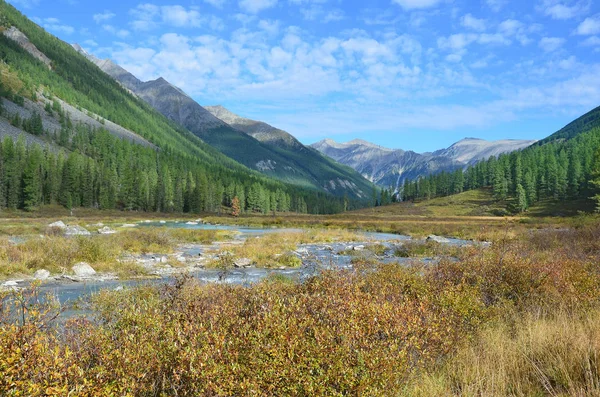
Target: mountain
pixel 70 134
pixel 257 129
pixel 255 144
pixel 390 167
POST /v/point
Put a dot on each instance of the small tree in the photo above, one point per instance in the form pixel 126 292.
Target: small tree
pixel 235 206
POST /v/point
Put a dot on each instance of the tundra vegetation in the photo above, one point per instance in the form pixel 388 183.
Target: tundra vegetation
pixel 517 318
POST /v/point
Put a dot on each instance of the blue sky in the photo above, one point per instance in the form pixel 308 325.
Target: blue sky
pixel 410 74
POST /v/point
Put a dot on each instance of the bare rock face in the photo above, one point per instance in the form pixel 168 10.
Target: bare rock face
pixel 19 37
pixel 83 269
pixel 58 224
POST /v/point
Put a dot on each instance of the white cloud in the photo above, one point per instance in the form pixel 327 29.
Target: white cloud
pixel 561 9
pixel 416 4
pixel 103 17
pixel 591 41
pixel 121 33
pixel 54 25
pixel 216 3
pixel 496 5
pixel 27 3
pixel 90 43
pixel 589 26
pixel 551 44
pixel 256 6
pixel 470 22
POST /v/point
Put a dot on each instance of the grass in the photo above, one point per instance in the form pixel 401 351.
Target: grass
pixel 274 250
pixel 58 254
pixel 555 354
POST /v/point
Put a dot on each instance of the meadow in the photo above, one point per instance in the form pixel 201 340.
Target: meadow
pixel 519 317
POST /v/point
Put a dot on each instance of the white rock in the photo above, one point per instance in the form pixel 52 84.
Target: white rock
pixel 162 221
pixel 242 262
pixel 164 259
pixel 181 259
pixel 358 247
pixel 191 223
pixel 438 239
pixel 59 224
pixel 10 283
pixel 106 230
pixel 76 231
pixel 147 221
pixel 41 274
pixel 83 269
pixel 128 225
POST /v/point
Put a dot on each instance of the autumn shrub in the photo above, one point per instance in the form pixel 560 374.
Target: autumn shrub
pixel 517 318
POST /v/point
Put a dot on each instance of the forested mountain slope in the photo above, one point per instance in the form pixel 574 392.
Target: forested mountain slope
pixel 293 163
pixel 584 123
pixel 110 149
pixel 563 167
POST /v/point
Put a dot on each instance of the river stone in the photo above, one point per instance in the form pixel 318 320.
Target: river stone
pixel 191 223
pixel 358 247
pixel 106 230
pixel 162 222
pixel 83 269
pixel 129 225
pixel 438 239
pixel 41 274
pixel 242 262
pixel 59 224
pixel 76 231
pixel 10 284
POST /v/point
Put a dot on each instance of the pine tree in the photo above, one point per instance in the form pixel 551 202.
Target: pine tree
pixel 595 178
pixel 521 198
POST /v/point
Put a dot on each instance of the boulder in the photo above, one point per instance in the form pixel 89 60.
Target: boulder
pixel 83 269
pixel 358 248
pixel 128 225
pixel 242 262
pixel 438 239
pixel 10 284
pixel 162 222
pixel 41 274
pixel 191 223
pixel 59 224
pixel 77 231
pixel 106 230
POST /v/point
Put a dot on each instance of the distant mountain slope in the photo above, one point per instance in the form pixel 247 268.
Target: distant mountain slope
pixel 257 129
pixel 334 175
pixel 390 167
pixel 584 123
pixel 257 145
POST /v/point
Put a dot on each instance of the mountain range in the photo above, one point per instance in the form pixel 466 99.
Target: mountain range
pixel 390 167
pixel 255 144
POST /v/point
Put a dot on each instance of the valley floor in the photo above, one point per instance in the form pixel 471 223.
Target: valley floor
pixel 515 316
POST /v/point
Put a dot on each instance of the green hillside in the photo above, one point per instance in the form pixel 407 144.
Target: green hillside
pixel 557 177
pixel 98 170
pixel 584 123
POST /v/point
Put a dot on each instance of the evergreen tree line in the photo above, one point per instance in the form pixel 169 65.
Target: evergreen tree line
pixel 559 170
pixel 91 168
pixel 110 173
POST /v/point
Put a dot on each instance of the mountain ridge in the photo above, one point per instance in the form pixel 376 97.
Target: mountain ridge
pixel 276 153
pixel 390 167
